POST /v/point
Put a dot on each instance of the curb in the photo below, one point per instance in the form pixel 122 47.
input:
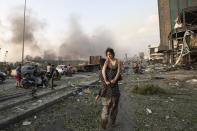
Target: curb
pixel 31 98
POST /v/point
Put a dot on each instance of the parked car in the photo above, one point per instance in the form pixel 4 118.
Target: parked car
pixel 62 69
pixel 29 69
pixel 2 76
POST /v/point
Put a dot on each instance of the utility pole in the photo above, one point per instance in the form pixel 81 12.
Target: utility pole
pixel 5 58
pixel 23 34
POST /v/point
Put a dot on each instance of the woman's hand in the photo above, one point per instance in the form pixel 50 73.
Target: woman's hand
pixel 107 82
pixel 113 81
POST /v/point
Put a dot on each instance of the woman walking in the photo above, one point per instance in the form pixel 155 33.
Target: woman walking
pixel 110 94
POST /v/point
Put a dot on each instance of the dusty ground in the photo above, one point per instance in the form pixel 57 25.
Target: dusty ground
pixel 75 113
pixel 173 110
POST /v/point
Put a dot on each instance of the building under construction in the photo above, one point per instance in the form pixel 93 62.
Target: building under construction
pixel 178 28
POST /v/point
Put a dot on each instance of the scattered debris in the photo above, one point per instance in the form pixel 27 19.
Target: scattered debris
pixel 192 81
pixel 80 93
pixel 148 111
pixel 33 104
pixel 77 87
pixel 87 91
pixel 174 84
pixel 20 109
pixel 25 123
pixel 39 101
pixel 167 117
pixel 158 77
pixel 140 80
pixel 74 92
pixel 73 85
pixel 149 70
pixel 177 83
pixel 171 99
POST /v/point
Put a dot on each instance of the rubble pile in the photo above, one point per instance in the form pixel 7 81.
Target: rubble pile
pixel 157 68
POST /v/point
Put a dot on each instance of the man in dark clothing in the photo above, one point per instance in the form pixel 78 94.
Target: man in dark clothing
pixel 8 71
pixel 34 77
pixel 52 72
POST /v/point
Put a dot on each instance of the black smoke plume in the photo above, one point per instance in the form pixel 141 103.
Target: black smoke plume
pixel 49 55
pixel 32 25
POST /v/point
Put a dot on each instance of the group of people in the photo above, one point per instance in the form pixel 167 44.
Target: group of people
pixel 33 76
pixel 48 76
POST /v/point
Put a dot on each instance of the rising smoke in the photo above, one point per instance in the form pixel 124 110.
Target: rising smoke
pixel 76 45
pixel 79 45
pixel 49 55
pixel 32 25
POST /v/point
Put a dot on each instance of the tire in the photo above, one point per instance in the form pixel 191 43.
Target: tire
pixel 24 84
pixel 2 79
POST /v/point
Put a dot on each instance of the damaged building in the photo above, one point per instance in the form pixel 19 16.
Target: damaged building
pixel 178 28
pixel 154 55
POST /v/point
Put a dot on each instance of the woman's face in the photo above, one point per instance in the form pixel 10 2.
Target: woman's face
pixel 110 55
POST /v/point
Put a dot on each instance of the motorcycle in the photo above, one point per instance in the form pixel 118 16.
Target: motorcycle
pixel 27 81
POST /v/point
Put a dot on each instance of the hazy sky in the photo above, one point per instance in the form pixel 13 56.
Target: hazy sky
pixel 132 24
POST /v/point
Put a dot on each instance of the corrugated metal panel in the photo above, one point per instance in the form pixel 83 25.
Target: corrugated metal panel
pixel 189 3
pixel 180 5
pixel 194 3
pixel 172 13
pixel 184 4
pixel 176 8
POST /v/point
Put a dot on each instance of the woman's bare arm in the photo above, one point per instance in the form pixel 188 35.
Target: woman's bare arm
pixel 118 71
pixel 104 70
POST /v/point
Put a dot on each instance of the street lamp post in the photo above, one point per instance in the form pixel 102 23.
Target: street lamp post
pixel 23 34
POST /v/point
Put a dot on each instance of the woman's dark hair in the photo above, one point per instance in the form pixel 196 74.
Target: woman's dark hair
pixel 110 50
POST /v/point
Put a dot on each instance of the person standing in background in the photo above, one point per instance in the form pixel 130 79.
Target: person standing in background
pixel 18 75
